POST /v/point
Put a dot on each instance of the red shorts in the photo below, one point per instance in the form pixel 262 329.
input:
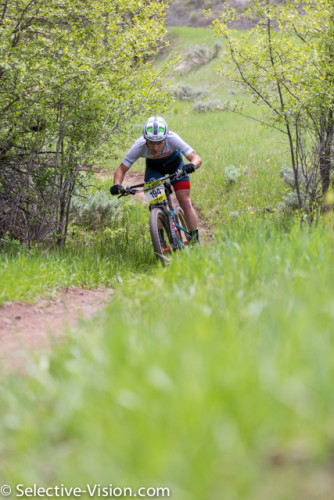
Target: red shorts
pixel 181 185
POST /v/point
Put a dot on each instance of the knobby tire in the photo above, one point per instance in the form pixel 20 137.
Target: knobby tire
pixel 159 220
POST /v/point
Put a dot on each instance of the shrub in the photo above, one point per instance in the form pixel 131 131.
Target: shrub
pixel 288 203
pixel 189 93
pixel 62 106
pixel 209 107
pixel 234 215
pixel 198 56
pixel 231 174
pixel 288 177
pixel 95 210
pixel 216 49
pixel 193 18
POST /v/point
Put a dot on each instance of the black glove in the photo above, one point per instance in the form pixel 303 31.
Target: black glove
pixel 116 189
pixel 189 168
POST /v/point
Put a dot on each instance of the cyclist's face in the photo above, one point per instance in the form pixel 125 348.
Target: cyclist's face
pixel 155 147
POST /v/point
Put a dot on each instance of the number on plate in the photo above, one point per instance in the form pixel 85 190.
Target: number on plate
pixel 155 192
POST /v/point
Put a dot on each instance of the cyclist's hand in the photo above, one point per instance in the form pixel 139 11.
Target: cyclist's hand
pixel 189 168
pixel 116 189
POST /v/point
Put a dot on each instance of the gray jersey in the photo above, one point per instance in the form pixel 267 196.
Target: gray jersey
pixel 140 149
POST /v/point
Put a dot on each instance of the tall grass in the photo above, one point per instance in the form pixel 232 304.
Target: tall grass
pixel 91 259
pixel 212 377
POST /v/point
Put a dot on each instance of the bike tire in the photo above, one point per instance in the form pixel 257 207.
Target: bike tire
pixel 159 220
pixel 180 219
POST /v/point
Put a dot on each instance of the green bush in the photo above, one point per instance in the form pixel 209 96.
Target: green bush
pixel 288 177
pixel 199 56
pixel 231 174
pixel 210 107
pixel 288 203
pixel 94 211
pixel 189 93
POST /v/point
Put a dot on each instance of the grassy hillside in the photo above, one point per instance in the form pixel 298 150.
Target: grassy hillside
pixel 223 139
pixel 238 183
pixel 190 12
pixel 213 376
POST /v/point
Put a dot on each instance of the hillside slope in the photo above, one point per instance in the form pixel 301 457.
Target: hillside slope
pixel 189 12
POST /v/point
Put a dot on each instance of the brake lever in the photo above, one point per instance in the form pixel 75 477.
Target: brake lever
pixel 123 193
pixel 127 191
pixel 180 174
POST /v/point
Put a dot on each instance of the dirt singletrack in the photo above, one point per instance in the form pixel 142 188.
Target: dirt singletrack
pixel 29 327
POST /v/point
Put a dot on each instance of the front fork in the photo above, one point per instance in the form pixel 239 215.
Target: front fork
pixel 175 230
pixel 175 233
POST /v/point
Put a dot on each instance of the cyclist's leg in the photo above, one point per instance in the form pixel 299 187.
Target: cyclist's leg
pixel 183 198
pixel 182 192
pixel 151 174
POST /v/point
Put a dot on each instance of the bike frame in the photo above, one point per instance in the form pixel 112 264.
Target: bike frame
pixel 173 224
pixel 166 206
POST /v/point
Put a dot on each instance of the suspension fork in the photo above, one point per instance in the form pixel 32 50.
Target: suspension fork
pixel 175 229
pixel 176 225
pixel 172 227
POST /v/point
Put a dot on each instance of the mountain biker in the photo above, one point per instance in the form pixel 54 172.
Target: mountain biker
pixel 162 149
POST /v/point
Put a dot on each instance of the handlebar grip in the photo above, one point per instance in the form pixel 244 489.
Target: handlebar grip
pixel 122 193
pixel 126 191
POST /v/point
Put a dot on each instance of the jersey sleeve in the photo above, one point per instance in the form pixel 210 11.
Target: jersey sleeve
pixel 179 144
pixel 136 151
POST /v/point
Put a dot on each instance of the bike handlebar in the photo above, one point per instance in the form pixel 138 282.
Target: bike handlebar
pixel 132 189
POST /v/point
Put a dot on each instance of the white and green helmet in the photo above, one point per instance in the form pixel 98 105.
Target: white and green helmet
pixel 155 129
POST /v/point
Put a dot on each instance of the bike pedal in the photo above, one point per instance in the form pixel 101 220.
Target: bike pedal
pixel 166 250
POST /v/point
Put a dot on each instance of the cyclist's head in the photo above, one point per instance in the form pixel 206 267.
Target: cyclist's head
pixel 155 129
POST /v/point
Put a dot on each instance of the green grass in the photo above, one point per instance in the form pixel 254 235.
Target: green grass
pixel 200 377
pixel 182 38
pixel 221 139
pixel 225 138
pixel 212 377
pixel 90 259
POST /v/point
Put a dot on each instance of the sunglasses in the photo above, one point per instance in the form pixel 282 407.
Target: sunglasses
pixel 154 143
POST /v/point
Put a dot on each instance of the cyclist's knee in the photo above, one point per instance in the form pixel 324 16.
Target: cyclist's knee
pixel 185 203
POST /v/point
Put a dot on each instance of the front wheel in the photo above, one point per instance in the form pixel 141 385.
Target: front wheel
pixel 160 234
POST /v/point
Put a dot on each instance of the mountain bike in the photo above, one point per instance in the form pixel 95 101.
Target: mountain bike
pixel 168 227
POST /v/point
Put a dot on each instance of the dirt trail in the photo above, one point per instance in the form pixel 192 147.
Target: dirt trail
pixel 35 326
pixel 26 327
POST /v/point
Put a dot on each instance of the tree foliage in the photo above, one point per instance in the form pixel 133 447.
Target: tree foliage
pixel 72 74
pixel 286 63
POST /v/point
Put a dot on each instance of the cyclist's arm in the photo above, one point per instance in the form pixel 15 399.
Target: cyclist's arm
pixel 120 173
pixel 194 158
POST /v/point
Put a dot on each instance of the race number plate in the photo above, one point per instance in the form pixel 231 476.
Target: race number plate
pixel 155 192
